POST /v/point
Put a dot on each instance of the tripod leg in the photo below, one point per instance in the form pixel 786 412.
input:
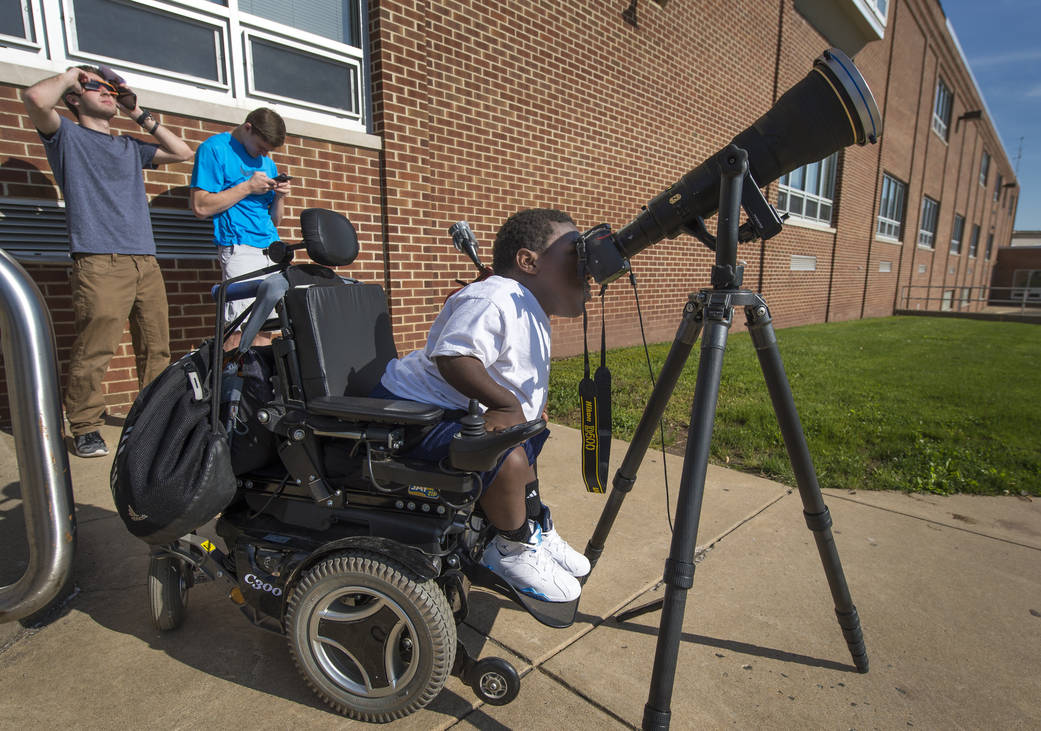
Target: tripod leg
pixel 679 568
pixel 625 477
pixel 818 519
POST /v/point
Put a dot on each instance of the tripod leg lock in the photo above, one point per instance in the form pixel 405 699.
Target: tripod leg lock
pixel 655 719
pixel 679 574
pixel 818 521
pixel 622 483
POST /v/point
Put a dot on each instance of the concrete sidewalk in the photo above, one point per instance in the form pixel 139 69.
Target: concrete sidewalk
pixel 948 591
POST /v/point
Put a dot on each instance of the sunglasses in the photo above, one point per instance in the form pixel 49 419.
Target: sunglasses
pixel 92 85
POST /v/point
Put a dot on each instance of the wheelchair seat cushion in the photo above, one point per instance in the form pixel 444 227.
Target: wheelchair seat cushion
pixel 343 338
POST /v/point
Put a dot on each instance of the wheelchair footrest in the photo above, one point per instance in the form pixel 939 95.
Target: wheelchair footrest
pixel 552 614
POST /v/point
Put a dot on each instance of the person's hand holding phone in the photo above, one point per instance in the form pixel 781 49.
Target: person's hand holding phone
pixel 282 183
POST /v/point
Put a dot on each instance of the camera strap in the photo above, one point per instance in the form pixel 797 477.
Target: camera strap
pixel 595 397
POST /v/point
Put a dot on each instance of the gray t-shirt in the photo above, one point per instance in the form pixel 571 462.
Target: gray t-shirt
pixel 99 174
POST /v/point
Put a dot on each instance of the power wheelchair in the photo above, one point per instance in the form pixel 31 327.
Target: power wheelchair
pixel 362 557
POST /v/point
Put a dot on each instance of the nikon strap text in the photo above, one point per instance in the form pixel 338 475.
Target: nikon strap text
pixel 595 396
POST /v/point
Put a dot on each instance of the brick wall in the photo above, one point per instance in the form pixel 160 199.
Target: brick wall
pixel 484 108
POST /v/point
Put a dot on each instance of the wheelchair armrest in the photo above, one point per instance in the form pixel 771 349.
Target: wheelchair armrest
pixel 480 453
pixel 381 411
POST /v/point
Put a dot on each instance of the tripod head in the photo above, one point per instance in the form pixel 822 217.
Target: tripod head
pixel 831 108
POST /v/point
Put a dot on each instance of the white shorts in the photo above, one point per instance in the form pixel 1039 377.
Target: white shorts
pixel 235 261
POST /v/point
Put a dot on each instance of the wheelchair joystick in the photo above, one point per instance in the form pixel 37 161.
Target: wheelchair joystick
pixel 475 449
pixel 473 422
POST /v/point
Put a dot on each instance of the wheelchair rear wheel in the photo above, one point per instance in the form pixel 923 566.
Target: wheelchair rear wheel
pixel 372 640
pixel 168 583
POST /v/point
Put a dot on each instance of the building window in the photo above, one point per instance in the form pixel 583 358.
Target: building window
pixel 927 229
pixel 957 231
pixel 880 7
pixel 885 266
pixel 997 187
pixel 942 109
pixel 946 303
pixel 984 168
pixel 891 208
pixel 990 244
pixel 307 55
pixel 974 241
pixel 809 192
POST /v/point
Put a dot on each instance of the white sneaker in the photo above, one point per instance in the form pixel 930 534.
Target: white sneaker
pixel 566 557
pixel 529 568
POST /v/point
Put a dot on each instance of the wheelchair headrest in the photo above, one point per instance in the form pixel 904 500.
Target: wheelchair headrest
pixel 329 237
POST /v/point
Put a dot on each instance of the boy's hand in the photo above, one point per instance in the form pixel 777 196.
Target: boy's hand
pixel 259 183
pixel 124 96
pixel 499 419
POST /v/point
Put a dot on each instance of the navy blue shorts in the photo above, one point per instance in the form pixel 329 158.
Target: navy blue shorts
pixel 434 445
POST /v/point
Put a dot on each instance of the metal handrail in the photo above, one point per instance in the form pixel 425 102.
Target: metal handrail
pixel 31 366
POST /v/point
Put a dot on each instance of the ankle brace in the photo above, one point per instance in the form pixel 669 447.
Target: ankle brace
pixel 532 500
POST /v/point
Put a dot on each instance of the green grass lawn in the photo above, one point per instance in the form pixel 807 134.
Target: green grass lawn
pixel 900 403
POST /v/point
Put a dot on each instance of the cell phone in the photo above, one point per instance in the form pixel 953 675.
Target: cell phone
pixel 282 177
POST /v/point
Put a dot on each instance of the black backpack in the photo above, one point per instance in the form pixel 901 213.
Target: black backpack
pixel 172 471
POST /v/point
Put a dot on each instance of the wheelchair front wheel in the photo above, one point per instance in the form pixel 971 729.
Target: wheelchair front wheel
pixel 373 641
pixel 168 583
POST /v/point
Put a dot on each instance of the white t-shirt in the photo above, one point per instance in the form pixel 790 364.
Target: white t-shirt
pixel 499 322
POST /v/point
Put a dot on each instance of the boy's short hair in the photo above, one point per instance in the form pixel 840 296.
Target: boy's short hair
pixel 65 97
pixel 527 229
pixel 269 125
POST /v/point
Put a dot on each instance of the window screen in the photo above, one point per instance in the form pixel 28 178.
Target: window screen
pixel 339 20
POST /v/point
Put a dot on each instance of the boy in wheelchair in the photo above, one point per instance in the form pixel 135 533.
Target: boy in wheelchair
pixel 491 342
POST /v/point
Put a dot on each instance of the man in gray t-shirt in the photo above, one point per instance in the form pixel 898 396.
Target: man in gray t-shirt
pixel 115 276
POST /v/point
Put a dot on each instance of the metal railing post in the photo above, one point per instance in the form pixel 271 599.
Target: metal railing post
pixel 31 367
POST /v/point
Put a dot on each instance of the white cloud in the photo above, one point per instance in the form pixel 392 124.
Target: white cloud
pixel 1036 91
pixel 1000 59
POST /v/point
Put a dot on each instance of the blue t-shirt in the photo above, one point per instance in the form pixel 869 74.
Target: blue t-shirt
pixel 221 162
pixel 106 208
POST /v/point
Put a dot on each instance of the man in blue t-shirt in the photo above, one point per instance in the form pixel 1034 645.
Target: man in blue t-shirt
pixel 236 184
pixel 115 276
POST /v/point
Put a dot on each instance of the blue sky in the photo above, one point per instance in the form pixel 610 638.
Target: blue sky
pixel 1002 42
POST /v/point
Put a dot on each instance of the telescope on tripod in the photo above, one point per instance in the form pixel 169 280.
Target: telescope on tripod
pixel 830 109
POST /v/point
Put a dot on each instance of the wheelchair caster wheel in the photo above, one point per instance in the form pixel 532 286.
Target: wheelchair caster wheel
pixel 168 583
pixel 495 681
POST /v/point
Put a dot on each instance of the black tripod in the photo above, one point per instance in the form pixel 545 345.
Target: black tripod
pixel 712 310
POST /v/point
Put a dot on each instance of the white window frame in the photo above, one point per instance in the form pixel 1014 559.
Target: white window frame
pixel 33 22
pixel 220 32
pixel 942 106
pixel 957 233
pixel 352 61
pixel 891 209
pixel 56 47
pixel 823 195
pixel 997 187
pixel 974 241
pixel 984 168
pixel 927 225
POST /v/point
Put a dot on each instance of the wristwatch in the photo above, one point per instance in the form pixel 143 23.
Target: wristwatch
pixel 143 117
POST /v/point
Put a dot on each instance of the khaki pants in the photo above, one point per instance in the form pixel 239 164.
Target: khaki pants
pixel 107 290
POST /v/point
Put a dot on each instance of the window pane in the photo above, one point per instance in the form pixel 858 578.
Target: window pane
pixel 339 20
pixel 294 74
pixel 157 39
pixel 812 171
pixel 12 22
